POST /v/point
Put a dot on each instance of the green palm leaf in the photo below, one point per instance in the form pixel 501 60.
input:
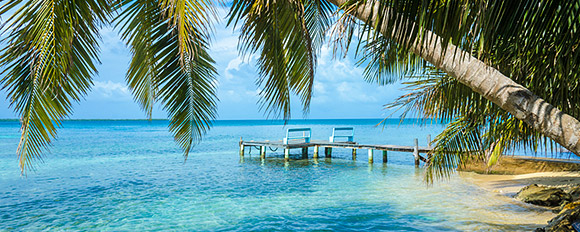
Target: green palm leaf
pixel 48 64
pixel 171 65
pixel 287 36
pixel 534 43
pixel 191 20
pixel 477 129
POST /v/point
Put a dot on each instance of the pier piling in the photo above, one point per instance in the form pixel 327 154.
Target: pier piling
pixel 316 148
pixel 241 147
pixel 370 156
pixel 429 147
pixel 263 152
pixel 416 153
pixel 305 153
pixel 286 154
pixel 385 158
pixel 328 152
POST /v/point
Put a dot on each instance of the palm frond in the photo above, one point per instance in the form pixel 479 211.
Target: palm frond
pixel 48 64
pixel 385 61
pixel 192 22
pixel 518 38
pixel 141 25
pixel 534 42
pixel 477 127
pixel 458 141
pixel 188 95
pixel 171 66
pixel 287 35
pixel 435 95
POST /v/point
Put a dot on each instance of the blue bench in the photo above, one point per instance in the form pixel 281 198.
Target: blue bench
pixel 336 134
pixel 291 134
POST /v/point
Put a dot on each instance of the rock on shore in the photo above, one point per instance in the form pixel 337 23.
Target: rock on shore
pixel 569 213
pixel 544 196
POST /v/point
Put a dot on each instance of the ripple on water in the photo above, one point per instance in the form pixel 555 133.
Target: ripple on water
pixel 130 179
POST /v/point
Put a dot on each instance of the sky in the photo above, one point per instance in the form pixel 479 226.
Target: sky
pixel 339 88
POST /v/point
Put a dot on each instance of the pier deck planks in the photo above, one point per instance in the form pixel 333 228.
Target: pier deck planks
pixel 322 143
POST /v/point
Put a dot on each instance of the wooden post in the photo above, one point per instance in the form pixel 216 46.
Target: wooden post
pixel 241 147
pixel 305 153
pixel 370 156
pixel 416 152
pixel 430 147
pixel 316 148
pixel 328 152
pixel 385 156
pixel 354 154
pixel 286 154
pixel 262 152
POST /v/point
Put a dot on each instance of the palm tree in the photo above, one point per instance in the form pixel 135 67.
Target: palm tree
pixel 475 127
pixel 52 46
pixel 544 63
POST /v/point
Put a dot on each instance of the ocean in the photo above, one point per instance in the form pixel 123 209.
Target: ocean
pixel 131 176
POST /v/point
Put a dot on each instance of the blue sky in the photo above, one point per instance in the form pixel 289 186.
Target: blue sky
pixel 339 89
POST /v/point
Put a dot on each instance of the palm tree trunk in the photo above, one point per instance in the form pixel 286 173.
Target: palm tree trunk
pixel 489 82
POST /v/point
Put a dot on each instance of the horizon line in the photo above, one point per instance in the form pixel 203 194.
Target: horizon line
pixel 164 119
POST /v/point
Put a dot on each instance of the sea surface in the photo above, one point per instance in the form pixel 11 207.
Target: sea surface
pixel 131 176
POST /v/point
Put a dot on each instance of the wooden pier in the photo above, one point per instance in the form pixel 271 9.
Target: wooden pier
pixel 317 144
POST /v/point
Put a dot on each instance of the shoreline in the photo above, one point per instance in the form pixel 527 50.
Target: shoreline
pixel 512 173
pixel 507 178
pixel 508 185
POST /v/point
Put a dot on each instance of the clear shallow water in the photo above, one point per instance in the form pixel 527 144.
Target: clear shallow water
pixel 129 175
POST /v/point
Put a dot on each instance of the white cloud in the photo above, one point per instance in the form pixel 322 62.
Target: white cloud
pixel 225 44
pixel 233 65
pixel 111 42
pixel 354 92
pixel 319 87
pixel 110 90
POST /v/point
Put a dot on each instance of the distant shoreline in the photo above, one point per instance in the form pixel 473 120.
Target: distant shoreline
pixel 274 120
pixel 377 121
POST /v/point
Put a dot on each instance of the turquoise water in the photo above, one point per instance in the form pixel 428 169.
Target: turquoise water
pixel 130 176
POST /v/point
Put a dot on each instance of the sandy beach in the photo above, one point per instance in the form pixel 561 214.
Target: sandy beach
pixel 511 174
pixel 509 185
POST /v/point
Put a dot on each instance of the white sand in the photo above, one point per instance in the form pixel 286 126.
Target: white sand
pixel 509 185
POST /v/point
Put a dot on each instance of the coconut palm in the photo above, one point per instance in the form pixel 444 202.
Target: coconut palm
pixel 52 47
pixel 543 63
